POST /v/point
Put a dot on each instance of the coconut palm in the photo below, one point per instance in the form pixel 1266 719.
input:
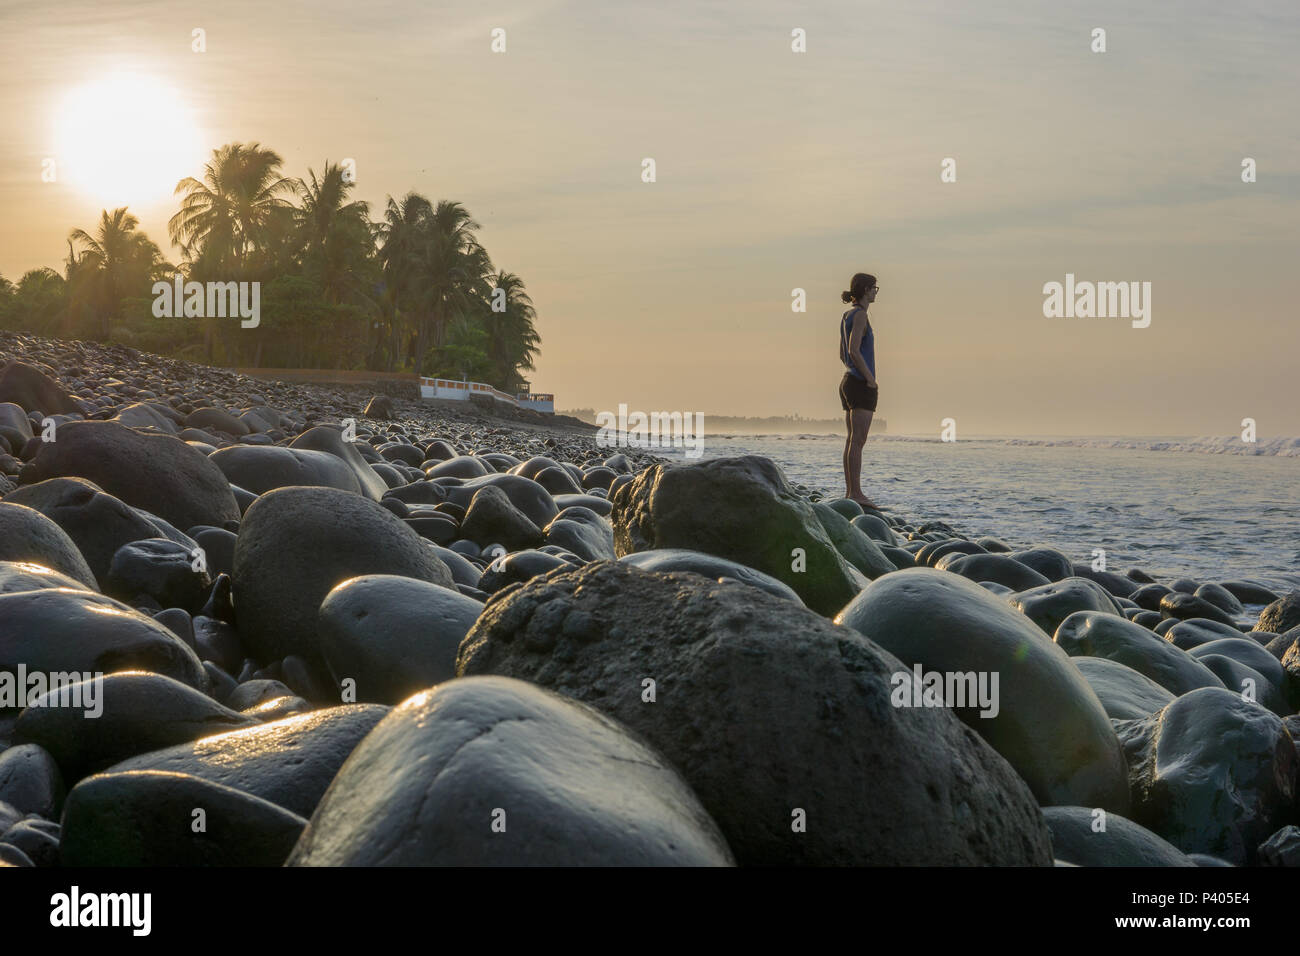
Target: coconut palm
pixel 450 273
pixel 336 236
pixel 402 233
pixel 116 263
pixel 226 219
pixel 513 341
pixel 236 223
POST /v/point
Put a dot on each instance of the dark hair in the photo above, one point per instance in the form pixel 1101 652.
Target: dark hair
pixel 859 285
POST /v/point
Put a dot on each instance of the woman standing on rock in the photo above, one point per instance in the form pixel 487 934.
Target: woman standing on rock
pixel 858 387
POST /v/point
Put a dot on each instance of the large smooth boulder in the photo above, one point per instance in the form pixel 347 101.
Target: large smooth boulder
pixel 289 762
pixel 159 569
pixel 582 532
pixel 1282 615
pixel 30 781
pixel 494 771
pixel 1102 634
pixel 1048 562
pixel 741 509
pixel 1050 604
pixel 157 472
pixel 55 630
pixel 1211 773
pixel 28 535
pixel 1184 606
pixel 1244 651
pixel 148 416
pixel 259 468
pixel 855 545
pixel 97 523
pixel 524 493
pixel 493 519
pixel 138 712
pixel 681 559
pixel 297 544
pixel 329 439
pixel 1125 693
pixel 215 418
pixel 393 636
pixel 24 576
pixel 1048 723
pixel 147 819
pixel 780 721
pixel 1086 836
pixel 998 568
pixel 34 391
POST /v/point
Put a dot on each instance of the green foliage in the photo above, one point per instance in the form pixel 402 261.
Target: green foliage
pixel 413 291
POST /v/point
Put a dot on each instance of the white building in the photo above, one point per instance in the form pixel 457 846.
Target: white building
pixel 446 388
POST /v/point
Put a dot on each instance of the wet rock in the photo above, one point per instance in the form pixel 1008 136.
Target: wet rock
pixel 813 733
pixel 1048 562
pixel 583 532
pixel 296 544
pixel 1183 606
pixel 741 509
pixel 1048 722
pixel 149 819
pixel 132 713
pixel 855 545
pixel 1282 615
pixel 56 630
pixel 393 636
pixel 96 522
pixel 289 762
pixel 158 472
pixel 1099 634
pixel 30 781
pixel 1123 692
pixel 465 755
pixel 998 568
pixel 260 468
pixel 680 559
pixel 492 518
pixel 1050 604
pixel 159 569
pixel 28 535
pixel 1077 839
pixel 1211 773
pixel 32 390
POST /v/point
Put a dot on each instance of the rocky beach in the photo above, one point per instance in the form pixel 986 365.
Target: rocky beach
pixel 246 622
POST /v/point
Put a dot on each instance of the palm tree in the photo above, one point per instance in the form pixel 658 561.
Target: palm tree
pixel 450 274
pixel 224 219
pixel 236 222
pixel 513 341
pixel 336 236
pixel 405 225
pixel 117 262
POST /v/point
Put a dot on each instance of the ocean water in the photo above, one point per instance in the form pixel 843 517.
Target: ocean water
pixel 1204 508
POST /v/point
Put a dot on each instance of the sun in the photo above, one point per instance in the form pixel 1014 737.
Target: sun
pixel 126 139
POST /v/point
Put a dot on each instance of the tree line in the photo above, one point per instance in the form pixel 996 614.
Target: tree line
pixel 412 291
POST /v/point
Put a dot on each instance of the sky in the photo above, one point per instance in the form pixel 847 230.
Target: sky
pixel 775 171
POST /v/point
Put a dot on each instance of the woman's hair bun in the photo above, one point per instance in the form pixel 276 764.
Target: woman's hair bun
pixel 846 296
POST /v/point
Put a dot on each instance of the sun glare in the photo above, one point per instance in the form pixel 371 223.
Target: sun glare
pixel 125 139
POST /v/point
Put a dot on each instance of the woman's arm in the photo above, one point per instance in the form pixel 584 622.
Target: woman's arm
pixel 855 346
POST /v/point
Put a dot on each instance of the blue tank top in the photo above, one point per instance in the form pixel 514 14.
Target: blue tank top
pixel 866 348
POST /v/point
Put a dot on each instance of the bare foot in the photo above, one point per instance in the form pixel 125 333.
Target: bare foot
pixel 866 502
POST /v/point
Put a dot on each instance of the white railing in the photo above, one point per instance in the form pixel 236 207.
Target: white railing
pixel 447 388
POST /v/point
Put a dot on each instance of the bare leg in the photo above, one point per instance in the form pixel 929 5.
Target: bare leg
pixel 859 426
pixel 848 440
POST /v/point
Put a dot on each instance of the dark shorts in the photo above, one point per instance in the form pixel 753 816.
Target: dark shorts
pixel 855 393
